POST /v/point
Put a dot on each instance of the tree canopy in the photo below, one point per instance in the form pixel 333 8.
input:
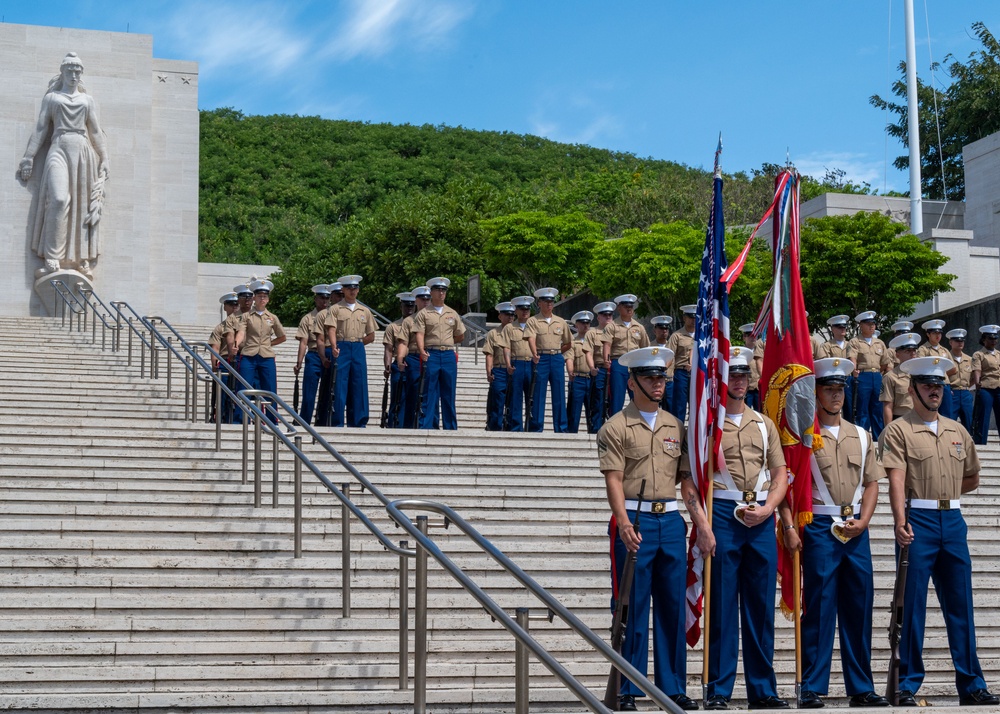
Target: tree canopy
pixel 967 110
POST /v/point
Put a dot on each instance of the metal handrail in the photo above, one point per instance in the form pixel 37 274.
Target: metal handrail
pixel 594 703
pixel 69 300
pixel 480 334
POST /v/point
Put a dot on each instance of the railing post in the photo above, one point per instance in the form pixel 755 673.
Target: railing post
pixel 274 458
pixel 521 665
pixel 420 627
pixel 129 326
pixel 142 360
pixel 218 414
pixel 404 618
pixel 256 456
pixel 246 446
pixel 170 363
pixel 194 391
pixel 297 478
pixel 345 553
pixel 208 401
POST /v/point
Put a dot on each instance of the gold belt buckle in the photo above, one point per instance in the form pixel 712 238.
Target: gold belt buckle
pixel 659 507
pixel 749 496
pixel 944 504
pixel 847 510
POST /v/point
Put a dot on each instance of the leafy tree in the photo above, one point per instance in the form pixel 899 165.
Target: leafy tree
pixel 968 110
pixel 541 250
pixel 661 266
pixel 866 262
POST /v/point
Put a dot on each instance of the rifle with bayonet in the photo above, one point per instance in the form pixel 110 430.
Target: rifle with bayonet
pixel 295 395
pixel 896 617
pixel 508 403
pixel 418 408
pixel 621 611
pixel 530 403
pixel 605 402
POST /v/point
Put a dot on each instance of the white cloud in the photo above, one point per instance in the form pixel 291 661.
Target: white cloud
pixel 260 37
pixel 859 168
pixel 574 118
pixel 375 27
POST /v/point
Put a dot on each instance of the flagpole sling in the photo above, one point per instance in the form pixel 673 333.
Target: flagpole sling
pixel 707 573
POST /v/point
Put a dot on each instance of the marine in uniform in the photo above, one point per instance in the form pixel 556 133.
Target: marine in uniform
pixel 349 327
pixel 933 348
pixel 752 398
pixel 837 572
pixel 397 394
pixel 217 341
pixel 578 369
pixel 548 338
pixel 961 380
pixel 496 369
pixel 308 354
pixel 682 343
pixel 408 359
pixel 254 336
pixel 895 396
pixel 839 346
pixel 327 385
pixel 931 461
pixel 645 443
pixel 986 380
pixel 623 335
pixel 748 488
pixel 594 347
pixel 517 354
pixel 438 328
pixel 661 334
pixel 871 359
pixel 899 328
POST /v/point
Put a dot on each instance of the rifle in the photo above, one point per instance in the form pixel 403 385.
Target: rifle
pixel 418 408
pixel 397 398
pixel 385 403
pixel 530 403
pixel 295 395
pixel 896 618
pixel 231 369
pixel 508 402
pixel 621 612
pixel 605 406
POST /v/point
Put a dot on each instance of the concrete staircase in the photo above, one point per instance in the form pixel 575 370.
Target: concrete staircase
pixel 135 572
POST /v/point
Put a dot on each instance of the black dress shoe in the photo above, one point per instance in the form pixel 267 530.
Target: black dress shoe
pixel 717 702
pixel 905 699
pixel 810 700
pixel 980 697
pixel 626 703
pixel 869 699
pixel 771 702
pixel 685 702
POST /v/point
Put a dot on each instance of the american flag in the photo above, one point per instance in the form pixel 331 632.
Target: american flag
pixel 709 376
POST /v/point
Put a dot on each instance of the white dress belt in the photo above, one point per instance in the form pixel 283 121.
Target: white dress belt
pixel 930 504
pixel 745 496
pixel 848 510
pixel 651 506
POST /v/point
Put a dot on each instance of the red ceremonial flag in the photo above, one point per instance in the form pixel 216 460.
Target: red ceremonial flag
pixel 788 385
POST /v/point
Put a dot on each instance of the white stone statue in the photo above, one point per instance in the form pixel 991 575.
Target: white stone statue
pixel 67 210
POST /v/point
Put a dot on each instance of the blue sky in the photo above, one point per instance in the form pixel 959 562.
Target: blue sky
pixel 658 78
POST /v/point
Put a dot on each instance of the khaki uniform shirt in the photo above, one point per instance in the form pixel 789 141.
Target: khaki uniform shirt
pixel 349 325
pixel 935 464
pixel 493 345
pixel 593 342
pixel 743 449
pixel 839 462
pixel 963 377
pixel 578 358
pixel 218 339
pixel 549 336
pixel 625 339
pixel 681 343
pixel 439 329
pixel 626 443
pixel 513 336
pixel 389 336
pixel 307 330
pixel 406 334
pixel 988 363
pixel 925 350
pixel 832 349
pixel 895 384
pixel 258 329
pixel 871 357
